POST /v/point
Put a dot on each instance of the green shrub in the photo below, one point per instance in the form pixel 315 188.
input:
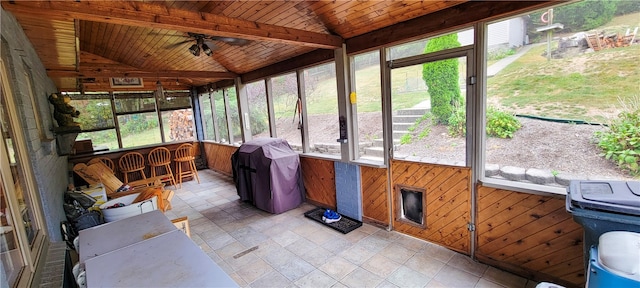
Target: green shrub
pixel 424 133
pixel 457 122
pixel 441 78
pixel 621 143
pixel 406 139
pixel 501 124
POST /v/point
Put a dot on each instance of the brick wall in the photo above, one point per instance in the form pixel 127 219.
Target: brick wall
pixel 49 169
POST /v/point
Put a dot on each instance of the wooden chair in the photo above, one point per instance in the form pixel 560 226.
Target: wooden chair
pixel 104 160
pixel 132 162
pixel 183 224
pixel 184 155
pixel 160 159
pixel 99 173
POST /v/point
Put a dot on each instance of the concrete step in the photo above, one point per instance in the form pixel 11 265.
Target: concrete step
pixel 397 134
pixel 380 142
pixel 413 111
pixel 374 151
pixel 405 118
pixel 402 126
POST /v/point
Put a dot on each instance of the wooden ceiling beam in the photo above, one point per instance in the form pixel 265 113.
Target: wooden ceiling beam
pixel 143 14
pixel 101 72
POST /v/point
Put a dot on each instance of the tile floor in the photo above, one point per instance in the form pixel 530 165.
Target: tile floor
pixel 259 249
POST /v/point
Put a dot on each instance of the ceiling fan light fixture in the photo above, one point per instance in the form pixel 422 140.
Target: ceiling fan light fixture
pixel 195 50
pixel 206 49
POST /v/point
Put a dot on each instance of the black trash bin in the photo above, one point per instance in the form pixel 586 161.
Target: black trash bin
pixel 603 206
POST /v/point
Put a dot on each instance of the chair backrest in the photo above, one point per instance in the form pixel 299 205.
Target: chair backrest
pixel 132 161
pixel 98 172
pixel 159 156
pixel 104 160
pixel 184 152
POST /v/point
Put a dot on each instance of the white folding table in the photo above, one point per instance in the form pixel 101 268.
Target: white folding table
pixel 104 238
pixel 169 260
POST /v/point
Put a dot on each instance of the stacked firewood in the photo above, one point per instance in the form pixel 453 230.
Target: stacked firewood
pixel 181 125
pixel 601 41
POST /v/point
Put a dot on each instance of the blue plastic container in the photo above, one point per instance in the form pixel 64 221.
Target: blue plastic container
pixel 599 277
pixel 603 206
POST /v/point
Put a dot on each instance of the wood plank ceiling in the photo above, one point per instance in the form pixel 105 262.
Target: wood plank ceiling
pixel 83 43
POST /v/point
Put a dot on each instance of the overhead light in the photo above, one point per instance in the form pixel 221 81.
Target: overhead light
pixel 195 50
pixel 206 49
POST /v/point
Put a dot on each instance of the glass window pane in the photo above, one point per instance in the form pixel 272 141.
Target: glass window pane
pixel 258 118
pixel 234 115
pixel 429 123
pixel 367 79
pixel 465 37
pixel 221 116
pixel 286 109
pixel 541 104
pixel 321 91
pixel 103 139
pixel 207 116
pixel 175 100
pixel 178 125
pixel 139 129
pixel 128 105
pixel 94 113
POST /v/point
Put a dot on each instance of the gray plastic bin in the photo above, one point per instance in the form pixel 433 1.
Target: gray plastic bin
pixel 603 206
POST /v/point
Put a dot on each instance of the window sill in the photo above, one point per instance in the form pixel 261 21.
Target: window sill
pixel 369 163
pixel 321 156
pixel 529 188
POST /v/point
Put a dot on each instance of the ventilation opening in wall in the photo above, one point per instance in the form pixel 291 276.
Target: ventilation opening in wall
pixel 411 205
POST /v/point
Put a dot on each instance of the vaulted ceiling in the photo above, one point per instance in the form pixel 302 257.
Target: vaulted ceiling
pixel 84 43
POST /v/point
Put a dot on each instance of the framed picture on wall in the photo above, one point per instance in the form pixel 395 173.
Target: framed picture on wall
pixel 125 82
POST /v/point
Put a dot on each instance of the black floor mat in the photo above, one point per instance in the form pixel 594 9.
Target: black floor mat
pixel 344 225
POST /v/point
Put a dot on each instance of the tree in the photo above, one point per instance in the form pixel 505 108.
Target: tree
pixel 442 78
pixel 581 16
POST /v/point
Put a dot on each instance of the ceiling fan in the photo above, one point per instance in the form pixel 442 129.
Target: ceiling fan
pixel 204 43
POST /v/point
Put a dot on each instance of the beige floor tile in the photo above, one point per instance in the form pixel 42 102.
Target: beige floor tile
pixel 295 269
pixel 361 278
pixel 483 283
pixel 439 252
pixel 316 279
pixel 254 270
pixel 407 277
pixel 424 264
pixel 397 252
pixel 455 277
pixel 271 279
pixel 301 246
pixel 338 267
pixel 285 238
pixel 317 257
pixel 504 278
pixel 380 265
pixel 357 254
pixel 465 263
pixel 386 284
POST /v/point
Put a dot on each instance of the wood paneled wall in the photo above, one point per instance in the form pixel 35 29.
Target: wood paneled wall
pixel 219 157
pixel 375 202
pixel 448 202
pixel 531 235
pixel 319 181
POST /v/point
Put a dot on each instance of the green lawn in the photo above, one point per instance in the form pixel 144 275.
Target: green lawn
pixel 579 87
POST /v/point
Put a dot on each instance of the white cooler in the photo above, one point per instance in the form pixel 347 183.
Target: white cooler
pixel 114 214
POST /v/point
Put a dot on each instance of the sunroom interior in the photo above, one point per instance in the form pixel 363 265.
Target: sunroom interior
pixel 343 82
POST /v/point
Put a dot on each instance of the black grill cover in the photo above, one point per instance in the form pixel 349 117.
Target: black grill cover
pixel 267 174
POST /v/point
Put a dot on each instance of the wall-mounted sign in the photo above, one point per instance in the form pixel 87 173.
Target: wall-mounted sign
pixel 126 82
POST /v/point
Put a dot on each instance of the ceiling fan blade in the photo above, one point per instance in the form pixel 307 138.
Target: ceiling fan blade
pixel 177 44
pixel 231 40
